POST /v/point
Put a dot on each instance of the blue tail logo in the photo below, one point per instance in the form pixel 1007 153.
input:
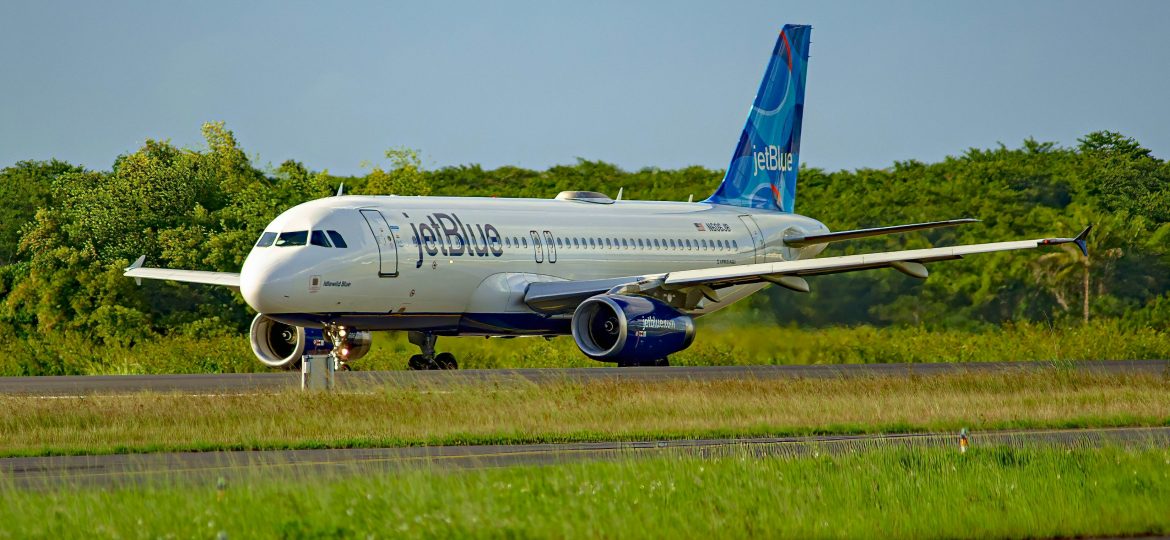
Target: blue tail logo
pixel 762 173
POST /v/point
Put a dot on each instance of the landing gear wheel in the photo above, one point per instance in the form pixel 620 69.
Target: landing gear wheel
pixel 660 362
pixel 418 362
pixel 446 360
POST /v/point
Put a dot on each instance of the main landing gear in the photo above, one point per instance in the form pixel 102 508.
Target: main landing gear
pixel 428 359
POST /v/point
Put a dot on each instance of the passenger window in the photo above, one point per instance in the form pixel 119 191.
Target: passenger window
pixel 735 244
pixel 317 238
pixel 608 244
pixel 338 241
pixel 704 243
pixel 655 243
pixel 508 241
pixel 525 240
pixel 576 243
pixel 640 244
pixel 688 243
pixel 266 239
pixel 558 242
pixel 292 238
pixel 625 244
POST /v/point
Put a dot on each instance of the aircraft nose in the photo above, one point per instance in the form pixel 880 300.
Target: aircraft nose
pixel 263 288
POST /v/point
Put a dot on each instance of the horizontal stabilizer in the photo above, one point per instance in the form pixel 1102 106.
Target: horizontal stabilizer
pixel 801 240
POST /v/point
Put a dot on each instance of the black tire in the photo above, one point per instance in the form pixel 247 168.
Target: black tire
pixel 661 362
pixel 446 360
pixel 418 362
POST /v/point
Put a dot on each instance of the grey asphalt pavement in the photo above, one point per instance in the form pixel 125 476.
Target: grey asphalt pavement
pixel 277 381
pixel 208 467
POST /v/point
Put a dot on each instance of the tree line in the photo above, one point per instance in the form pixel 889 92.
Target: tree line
pixel 67 232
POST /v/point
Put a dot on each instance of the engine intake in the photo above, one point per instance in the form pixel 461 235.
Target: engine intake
pixel 281 345
pixel 630 329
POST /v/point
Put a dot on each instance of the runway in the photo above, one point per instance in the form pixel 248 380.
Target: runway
pixel 130 469
pixel 273 382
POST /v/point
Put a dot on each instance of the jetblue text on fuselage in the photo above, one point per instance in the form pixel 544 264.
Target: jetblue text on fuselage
pixel 448 235
pixel 771 159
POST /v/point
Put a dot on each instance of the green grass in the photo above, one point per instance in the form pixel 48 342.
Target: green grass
pixel 717 343
pixel 574 411
pixel 903 493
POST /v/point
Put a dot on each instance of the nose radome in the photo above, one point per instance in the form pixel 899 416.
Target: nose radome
pixel 262 288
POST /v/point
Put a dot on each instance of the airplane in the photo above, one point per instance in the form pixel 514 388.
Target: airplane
pixel 624 278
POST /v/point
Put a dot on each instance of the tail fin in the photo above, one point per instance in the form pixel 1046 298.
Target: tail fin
pixel 762 173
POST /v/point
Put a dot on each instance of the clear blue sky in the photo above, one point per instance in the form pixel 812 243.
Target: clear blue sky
pixel 540 83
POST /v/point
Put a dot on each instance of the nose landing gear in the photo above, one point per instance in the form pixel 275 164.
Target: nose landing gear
pixel 336 335
pixel 428 359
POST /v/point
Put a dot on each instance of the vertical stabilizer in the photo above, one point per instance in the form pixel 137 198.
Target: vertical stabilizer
pixel 762 173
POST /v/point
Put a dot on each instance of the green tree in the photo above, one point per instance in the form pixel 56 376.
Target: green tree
pixel 404 177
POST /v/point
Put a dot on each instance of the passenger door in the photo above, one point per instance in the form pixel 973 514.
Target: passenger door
pixel 756 235
pixel 384 239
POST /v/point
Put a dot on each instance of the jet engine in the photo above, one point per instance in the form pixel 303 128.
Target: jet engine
pixel 281 345
pixel 630 330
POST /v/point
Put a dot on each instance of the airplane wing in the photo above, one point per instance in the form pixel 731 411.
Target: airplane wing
pixel 801 240
pixel 226 279
pixel 563 296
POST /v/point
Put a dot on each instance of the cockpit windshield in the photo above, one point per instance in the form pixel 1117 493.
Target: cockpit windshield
pixel 292 238
pixel 328 239
pixel 318 239
pixel 266 239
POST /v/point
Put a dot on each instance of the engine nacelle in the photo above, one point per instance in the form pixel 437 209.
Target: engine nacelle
pixel 630 329
pixel 281 345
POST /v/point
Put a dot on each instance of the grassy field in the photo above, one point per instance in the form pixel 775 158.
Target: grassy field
pixel 568 411
pixel 903 493
pixel 718 343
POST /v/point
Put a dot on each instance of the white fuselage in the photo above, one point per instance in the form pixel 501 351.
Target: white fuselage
pixel 460 265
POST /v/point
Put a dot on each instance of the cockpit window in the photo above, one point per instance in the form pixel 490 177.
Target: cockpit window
pixel 266 239
pixel 338 241
pixel 317 238
pixel 292 238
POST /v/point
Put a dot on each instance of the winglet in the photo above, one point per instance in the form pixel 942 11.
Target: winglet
pixel 136 265
pixel 1081 240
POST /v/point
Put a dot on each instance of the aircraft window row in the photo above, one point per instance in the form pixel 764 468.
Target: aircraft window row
pixel 564 242
pixel 300 238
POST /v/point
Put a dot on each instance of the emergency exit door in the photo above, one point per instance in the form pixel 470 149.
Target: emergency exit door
pixel 384 239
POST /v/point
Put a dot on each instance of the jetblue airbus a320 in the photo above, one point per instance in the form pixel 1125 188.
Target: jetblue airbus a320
pixel 624 278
